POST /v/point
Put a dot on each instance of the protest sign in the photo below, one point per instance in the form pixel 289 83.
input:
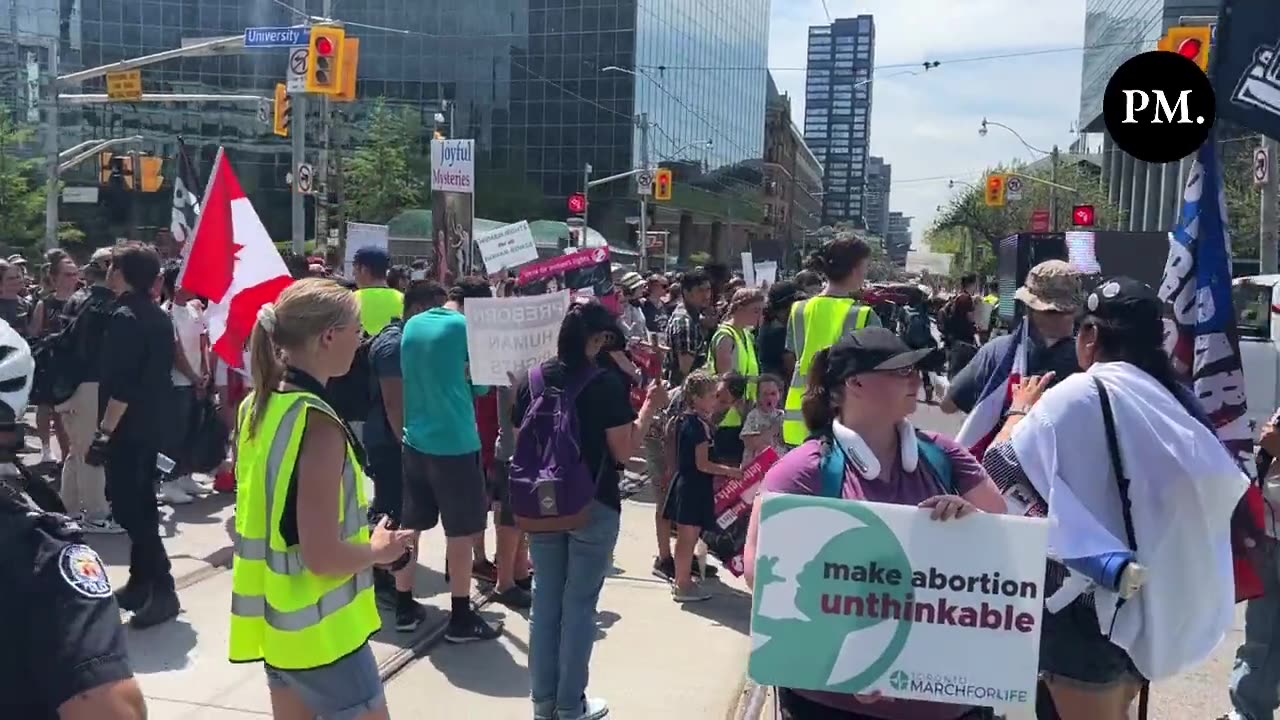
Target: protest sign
pixel 748 270
pixel 766 273
pixel 511 335
pixel 859 597
pixel 733 512
pixel 507 246
pixel 586 273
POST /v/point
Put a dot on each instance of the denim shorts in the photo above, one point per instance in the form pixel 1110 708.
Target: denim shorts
pixel 343 690
pixel 1074 651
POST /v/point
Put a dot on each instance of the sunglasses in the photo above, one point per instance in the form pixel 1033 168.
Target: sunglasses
pixel 904 372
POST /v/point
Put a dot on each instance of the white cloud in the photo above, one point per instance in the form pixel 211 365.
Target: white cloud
pixel 926 125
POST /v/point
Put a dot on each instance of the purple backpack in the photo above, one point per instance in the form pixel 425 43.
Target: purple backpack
pixel 552 487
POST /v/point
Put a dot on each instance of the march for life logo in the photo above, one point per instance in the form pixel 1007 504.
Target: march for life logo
pixel 453 166
pixel 859 597
pixel 1159 107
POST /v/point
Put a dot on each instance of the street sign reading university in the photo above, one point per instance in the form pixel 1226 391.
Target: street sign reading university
pixel 276 37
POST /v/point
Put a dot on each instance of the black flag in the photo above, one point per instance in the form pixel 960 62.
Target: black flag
pixel 1246 65
pixel 186 203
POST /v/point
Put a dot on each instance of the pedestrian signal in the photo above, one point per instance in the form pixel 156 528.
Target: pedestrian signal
pixel 1191 43
pixel 283 111
pixel 662 185
pixel 324 64
pixel 995 190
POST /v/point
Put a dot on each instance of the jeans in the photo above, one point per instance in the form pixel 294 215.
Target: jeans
pixel 1255 679
pixel 131 487
pixel 570 569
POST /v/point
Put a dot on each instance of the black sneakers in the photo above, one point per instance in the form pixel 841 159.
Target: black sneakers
pixel 161 606
pixel 409 616
pixel 132 596
pixel 514 597
pixel 664 568
pixel 470 627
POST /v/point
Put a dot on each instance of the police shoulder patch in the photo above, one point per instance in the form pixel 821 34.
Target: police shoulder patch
pixel 82 569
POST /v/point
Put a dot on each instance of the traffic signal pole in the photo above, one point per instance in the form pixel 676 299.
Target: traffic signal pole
pixel 642 121
pixel 51 148
pixel 298 136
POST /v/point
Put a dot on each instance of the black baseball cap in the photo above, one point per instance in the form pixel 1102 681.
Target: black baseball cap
pixel 374 258
pixel 874 349
pixel 1124 301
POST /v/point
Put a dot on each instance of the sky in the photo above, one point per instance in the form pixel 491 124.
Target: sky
pixel 926 124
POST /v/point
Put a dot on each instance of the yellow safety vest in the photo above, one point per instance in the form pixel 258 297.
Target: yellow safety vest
pixel 816 324
pixel 747 365
pixel 991 300
pixel 378 307
pixel 281 612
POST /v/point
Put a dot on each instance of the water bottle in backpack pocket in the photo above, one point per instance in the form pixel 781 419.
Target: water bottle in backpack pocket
pixel 552 486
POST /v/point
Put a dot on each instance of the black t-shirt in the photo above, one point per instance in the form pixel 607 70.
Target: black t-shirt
pixel 63 632
pixel 138 363
pixel 771 349
pixel 693 432
pixel 604 403
pixel 960 326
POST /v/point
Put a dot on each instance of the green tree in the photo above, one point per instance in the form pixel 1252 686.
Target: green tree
pixel 383 176
pixel 1244 200
pixel 22 195
pixel 966 218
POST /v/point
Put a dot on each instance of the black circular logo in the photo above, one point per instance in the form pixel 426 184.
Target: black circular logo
pixel 1159 107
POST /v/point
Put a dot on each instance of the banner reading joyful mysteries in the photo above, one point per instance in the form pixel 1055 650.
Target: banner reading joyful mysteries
pixel 856 597
pixel 453 180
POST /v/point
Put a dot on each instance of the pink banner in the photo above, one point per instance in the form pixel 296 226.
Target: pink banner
pixel 566 263
pixel 734 498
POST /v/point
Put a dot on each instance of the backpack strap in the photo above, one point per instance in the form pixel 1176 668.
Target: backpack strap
pixel 536 384
pixel 938 461
pixel 833 469
pixel 1117 466
pixel 578 383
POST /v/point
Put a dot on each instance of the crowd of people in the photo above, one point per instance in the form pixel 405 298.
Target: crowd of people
pixel 368 379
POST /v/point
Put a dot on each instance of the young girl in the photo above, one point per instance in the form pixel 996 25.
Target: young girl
pixel 691 505
pixel 763 426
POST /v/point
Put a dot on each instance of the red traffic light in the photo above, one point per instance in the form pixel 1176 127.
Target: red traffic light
pixel 577 203
pixel 1190 48
pixel 324 46
pixel 1083 215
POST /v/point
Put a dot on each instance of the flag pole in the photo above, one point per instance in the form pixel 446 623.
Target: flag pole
pixel 195 232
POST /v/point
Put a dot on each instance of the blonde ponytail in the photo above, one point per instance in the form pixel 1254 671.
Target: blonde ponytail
pixel 267 371
pixel 305 310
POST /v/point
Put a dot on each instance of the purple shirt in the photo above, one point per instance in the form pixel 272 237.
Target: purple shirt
pixel 799 472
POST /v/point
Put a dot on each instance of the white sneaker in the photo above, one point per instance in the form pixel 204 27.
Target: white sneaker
pixel 102 526
pixel 191 486
pixel 171 494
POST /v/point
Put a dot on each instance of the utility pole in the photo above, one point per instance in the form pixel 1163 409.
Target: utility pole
pixel 322 166
pixel 298 133
pixel 1053 190
pixel 642 122
pixel 586 201
pixel 51 149
pixel 1269 224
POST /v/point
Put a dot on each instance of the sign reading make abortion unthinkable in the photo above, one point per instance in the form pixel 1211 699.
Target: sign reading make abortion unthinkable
pixel 511 335
pixel 856 597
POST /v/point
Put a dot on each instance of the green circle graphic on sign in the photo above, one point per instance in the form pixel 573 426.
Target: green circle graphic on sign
pixel 823 614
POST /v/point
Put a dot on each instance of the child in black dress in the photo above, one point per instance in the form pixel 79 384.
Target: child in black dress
pixel 691 503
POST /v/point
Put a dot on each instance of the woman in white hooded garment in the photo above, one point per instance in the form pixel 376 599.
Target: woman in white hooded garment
pixel 1166 494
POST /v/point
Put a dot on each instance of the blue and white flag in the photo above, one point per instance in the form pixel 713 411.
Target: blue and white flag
pixel 987 417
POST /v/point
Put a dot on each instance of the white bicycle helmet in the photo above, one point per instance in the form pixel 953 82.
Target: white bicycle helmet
pixel 16 370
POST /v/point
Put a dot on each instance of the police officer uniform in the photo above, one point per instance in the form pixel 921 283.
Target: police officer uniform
pixel 63 633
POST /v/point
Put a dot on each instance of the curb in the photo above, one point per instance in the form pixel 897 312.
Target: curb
pixel 751 701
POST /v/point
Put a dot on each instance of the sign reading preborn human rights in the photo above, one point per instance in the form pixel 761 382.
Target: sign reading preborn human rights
pixel 511 335
pixel 857 597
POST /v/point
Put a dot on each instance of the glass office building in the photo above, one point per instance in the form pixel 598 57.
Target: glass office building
pixel 526 78
pixel 837 122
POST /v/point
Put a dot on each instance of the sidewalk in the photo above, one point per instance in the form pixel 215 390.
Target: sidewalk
pixel 653 655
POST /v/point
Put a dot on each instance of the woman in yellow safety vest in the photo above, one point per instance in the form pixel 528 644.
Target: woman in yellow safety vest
pixel 817 323
pixel 733 348
pixel 302 591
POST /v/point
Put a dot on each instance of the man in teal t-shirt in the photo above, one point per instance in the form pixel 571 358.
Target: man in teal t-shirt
pixel 443 479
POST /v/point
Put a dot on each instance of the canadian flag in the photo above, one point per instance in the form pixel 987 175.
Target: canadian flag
pixel 230 261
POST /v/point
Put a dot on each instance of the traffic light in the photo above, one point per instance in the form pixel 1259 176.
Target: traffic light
pixel 324 63
pixel 1191 43
pixel 995 191
pixel 283 111
pixel 347 71
pixel 662 185
pixel 1083 216
pixel 577 203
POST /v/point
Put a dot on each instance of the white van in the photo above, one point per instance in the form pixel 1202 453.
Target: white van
pixel 1257 304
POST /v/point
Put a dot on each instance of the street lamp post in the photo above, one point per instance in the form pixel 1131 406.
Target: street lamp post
pixel 1053 166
